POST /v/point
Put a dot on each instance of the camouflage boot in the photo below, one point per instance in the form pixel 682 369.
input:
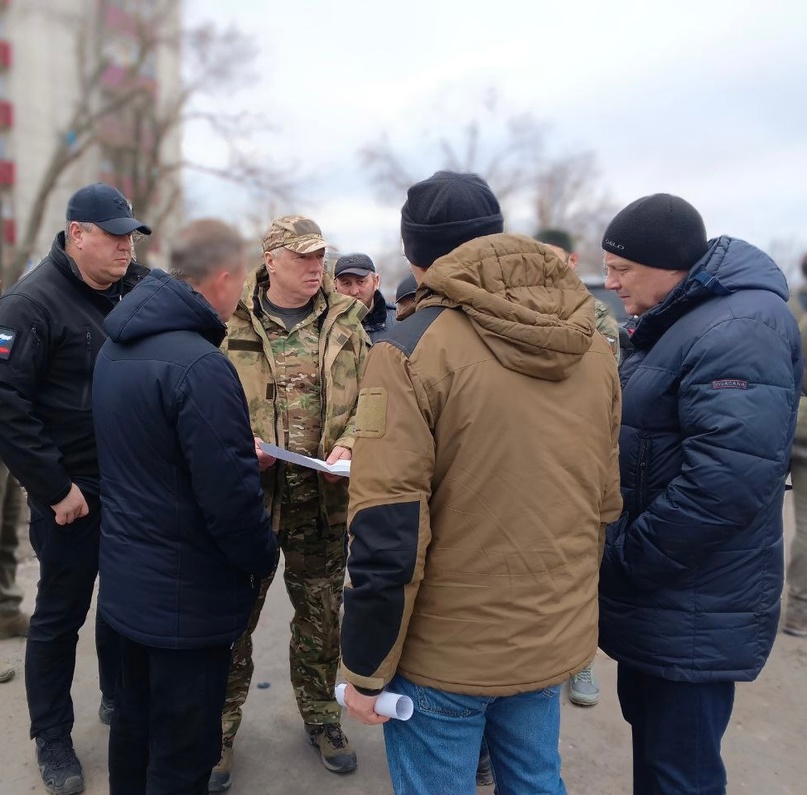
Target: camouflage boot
pixel 795 622
pixel 334 748
pixel 14 625
pixel 221 775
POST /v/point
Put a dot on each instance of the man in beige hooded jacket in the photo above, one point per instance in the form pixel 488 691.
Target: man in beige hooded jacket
pixel 484 470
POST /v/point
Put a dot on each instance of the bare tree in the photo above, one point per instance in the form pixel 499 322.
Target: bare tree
pixel 133 127
pixel 554 191
pixel 788 253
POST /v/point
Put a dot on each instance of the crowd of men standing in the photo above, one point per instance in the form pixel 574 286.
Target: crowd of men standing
pixel 515 499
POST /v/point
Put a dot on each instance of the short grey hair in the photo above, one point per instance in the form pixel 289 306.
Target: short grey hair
pixel 85 225
pixel 204 247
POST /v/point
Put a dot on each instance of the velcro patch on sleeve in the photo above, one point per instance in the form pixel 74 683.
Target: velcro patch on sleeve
pixel 7 338
pixel 371 413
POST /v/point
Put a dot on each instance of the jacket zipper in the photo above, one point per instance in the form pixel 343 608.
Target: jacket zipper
pixel 641 476
pixel 87 365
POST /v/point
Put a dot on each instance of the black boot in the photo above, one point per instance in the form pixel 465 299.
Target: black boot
pixel 58 763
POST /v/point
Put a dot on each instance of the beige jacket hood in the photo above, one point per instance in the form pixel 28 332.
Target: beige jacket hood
pixel 536 321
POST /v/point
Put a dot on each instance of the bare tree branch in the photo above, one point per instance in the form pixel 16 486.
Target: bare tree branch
pixel 509 151
pixel 118 112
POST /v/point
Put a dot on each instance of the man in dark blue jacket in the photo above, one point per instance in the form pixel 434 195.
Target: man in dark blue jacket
pixel 692 572
pixel 185 540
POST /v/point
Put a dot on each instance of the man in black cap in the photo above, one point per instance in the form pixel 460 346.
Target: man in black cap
pixel 691 576
pixel 474 540
pixel 51 326
pixel 405 294
pixel 355 275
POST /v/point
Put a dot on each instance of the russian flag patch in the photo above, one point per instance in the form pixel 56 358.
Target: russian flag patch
pixel 7 337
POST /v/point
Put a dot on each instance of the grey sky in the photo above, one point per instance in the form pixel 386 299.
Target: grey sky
pixel 703 99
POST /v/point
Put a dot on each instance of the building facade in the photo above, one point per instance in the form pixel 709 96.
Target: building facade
pixel 88 92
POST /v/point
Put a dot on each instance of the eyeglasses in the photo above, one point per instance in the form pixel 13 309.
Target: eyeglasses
pixel 606 271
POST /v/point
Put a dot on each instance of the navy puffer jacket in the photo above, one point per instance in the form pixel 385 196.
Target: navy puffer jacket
pixel 185 538
pixel 692 572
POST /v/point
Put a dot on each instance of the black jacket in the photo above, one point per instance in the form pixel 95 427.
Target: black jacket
pixel 51 331
pixel 185 538
pixel 378 322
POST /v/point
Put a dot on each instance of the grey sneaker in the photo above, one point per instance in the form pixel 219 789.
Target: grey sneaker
pixel 58 764
pixel 105 710
pixel 583 688
pixel 334 748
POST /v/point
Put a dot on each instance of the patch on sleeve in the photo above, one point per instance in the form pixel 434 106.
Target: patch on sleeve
pixel 371 413
pixel 7 337
pixel 730 383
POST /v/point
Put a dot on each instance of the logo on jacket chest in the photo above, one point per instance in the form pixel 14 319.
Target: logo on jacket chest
pixel 730 383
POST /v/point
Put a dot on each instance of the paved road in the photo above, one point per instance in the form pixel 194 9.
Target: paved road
pixel 764 746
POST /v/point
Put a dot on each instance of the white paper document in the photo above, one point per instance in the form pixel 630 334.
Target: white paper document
pixel 341 467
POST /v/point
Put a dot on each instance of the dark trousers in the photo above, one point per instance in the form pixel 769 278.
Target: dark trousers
pixel 165 735
pixel 68 566
pixel 677 729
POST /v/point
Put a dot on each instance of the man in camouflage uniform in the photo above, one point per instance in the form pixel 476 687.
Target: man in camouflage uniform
pixel 583 688
pixel 562 244
pixel 299 347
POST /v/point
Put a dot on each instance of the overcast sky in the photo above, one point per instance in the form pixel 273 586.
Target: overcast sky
pixel 704 99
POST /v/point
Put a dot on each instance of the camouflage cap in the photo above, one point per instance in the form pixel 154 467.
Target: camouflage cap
pixel 294 232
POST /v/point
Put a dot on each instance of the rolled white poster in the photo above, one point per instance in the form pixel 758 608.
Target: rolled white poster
pixel 390 705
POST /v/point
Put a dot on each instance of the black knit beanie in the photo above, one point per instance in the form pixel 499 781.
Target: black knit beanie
pixel 660 231
pixel 445 211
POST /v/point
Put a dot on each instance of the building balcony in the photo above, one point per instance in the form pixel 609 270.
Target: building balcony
pixel 119 78
pixel 5 53
pixel 6 115
pixel 8 173
pixel 10 231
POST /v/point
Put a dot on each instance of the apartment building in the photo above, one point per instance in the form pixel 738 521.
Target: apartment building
pixel 58 57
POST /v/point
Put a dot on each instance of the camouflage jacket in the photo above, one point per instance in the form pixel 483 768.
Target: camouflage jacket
pixel 607 326
pixel 342 348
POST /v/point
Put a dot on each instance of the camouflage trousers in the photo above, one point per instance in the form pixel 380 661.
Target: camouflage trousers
pixel 12 506
pixel 314 573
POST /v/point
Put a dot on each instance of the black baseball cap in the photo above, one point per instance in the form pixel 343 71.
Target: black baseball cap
pixel 106 207
pixel 407 288
pixel 357 264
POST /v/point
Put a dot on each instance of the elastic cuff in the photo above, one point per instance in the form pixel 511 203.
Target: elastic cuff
pixel 366 691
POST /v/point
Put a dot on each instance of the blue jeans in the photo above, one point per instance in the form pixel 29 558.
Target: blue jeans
pixel 677 729
pixel 437 750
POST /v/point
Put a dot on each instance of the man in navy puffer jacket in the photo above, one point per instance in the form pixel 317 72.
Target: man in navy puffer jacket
pixel 692 572
pixel 185 539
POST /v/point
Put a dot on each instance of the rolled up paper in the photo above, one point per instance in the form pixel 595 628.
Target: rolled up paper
pixel 390 705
